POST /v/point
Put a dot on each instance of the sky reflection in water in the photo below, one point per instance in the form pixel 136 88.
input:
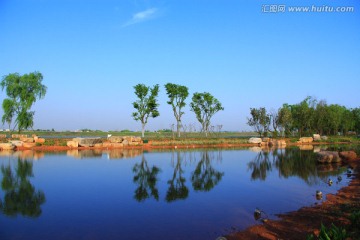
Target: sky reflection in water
pixel 130 194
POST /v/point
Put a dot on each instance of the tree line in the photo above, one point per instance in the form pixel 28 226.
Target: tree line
pixel 305 118
pixel 204 105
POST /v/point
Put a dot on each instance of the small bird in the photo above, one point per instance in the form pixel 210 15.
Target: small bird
pixel 109 135
pixel 318 195
pixel 330 182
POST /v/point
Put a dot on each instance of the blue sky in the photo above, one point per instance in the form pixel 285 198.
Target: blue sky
pixel 93 52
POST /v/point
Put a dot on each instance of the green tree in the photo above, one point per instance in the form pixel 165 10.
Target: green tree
pixel 260 120
pixel 204 105
pixel 356 114
pixel 303 115
pixel 146 105
pixel 22 92
pixel 348 121
pixel 335 114
pixel 285 119
pixel 321 117
pixel 177 95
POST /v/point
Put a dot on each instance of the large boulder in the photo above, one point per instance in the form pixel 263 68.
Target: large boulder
pixel 39 140
pixel 19 136
pixel 115 139
pixel 306 140
pixel 2 135
pixel 17 143
pixel 348 155
pixel 255 140
pixel 7 146
pixel 87 142
pixel 328 157
pixel 29 144
pixel 316 137
pixel 27 140
pixel 72 144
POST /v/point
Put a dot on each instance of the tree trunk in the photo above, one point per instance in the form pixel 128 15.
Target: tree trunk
pixel 142 129
pixel 178 127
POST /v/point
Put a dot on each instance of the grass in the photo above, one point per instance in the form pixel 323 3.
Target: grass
pixel 197 141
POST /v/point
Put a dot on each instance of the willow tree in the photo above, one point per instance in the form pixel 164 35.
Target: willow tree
pixel 22 92
pixel 205 105
pixel 177 95
pixel 146 105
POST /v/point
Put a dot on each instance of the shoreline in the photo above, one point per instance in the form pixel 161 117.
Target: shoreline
pixel 180 146
pixel 300 223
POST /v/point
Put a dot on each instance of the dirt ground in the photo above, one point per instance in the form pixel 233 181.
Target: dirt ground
pixel 307 220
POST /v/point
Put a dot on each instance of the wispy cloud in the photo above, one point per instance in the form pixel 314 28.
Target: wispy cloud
pixel 141 16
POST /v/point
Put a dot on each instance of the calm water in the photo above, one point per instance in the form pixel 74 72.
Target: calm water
pixel 130 194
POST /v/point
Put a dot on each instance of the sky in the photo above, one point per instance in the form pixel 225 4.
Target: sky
pixel 92 52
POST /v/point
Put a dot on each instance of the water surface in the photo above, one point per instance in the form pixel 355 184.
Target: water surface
pixel 131 194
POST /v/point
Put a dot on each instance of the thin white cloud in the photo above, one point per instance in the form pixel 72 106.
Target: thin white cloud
pixel 141 17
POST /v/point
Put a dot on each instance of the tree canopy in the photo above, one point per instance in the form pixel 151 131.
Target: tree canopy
pixel 22 92
pixel 146 105
pixel 205 105
pixel 177 95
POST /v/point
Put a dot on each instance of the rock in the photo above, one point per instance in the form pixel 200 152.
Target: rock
pixel 107 144
pixel 19 136
pixel 316 137
pixel 117 145
pixel 72 144
pixel 17 143
pixel 324 137
pixel 27 140
pixel 7 146
pixel 306 140
pixel 266 139
pixel 125 142
pixel 29 144
pixel 137 139
pixel 255 140
pixel 98 145
pixel 87 142
pixel 2 135
pixel 115 139
pixel 134 143
pixel 39 140
pixel 35 137
pixel 348 155
pixel 328 157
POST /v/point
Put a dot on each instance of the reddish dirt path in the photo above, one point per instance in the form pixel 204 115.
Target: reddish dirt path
pixel 307 220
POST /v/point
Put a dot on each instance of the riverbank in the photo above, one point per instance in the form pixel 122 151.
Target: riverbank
pixel 307 220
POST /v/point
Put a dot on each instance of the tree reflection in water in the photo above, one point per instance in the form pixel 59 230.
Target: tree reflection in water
pixel 291 162
pixel 146 179
pixel 205 177
pixel 260 166
pixel 20 195
pixel 177 188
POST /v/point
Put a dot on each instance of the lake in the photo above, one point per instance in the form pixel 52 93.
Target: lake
pixel 162 194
